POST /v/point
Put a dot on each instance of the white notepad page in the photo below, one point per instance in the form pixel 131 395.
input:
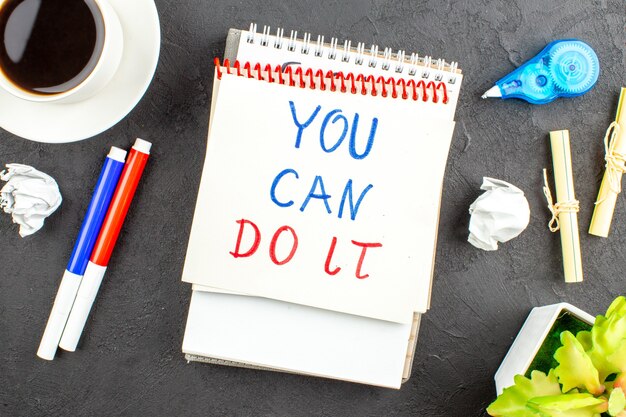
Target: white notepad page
pixel 295 338
pixel 339 55
pixel 262 169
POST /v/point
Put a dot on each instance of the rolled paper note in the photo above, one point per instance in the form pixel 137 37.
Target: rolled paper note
pixel 615 149
pixel 565 210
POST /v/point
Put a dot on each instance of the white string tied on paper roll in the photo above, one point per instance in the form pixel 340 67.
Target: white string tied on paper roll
pixel 615 161
pixel 572 206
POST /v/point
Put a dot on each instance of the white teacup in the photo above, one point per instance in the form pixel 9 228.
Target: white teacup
pixel 106 65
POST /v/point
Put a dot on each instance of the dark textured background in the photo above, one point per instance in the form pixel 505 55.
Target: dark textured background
pixel 130 361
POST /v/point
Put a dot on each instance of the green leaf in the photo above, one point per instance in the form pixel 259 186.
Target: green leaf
pixel 617 359
pixel 569 405
pixel 565 402
pixel 608 350
pixel 584 337
pixel 618 306
pixel 513 400
pixel 617 402
pixel 575 368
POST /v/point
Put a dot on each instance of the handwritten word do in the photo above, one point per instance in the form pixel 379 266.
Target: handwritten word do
pixel 237 253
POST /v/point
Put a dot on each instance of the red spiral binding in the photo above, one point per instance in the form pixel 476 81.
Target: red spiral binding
pixel 358 84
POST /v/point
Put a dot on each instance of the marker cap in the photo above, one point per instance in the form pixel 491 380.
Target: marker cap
pixel 142 146
pixel 117 154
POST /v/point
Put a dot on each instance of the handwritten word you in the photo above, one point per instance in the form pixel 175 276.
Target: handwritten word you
pixel 335 116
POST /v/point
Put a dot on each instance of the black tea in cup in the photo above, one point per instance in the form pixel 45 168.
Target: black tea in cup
pixel 49 46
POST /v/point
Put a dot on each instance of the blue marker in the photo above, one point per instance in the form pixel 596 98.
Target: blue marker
pixel 109 176
pixel 565 68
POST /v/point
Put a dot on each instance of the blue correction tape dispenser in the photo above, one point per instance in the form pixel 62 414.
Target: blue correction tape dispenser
pixel 565 68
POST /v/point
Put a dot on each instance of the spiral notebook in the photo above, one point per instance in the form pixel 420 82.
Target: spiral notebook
pixel 316 221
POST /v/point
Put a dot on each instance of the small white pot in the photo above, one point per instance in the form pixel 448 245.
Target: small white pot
pixel 530 338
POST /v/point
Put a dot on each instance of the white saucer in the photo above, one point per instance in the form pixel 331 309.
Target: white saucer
pixel 59 123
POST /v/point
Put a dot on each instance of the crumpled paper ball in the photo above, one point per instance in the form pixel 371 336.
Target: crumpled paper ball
pixel 30 196
pixel 498 215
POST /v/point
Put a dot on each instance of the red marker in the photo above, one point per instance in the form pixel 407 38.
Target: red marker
pixel 135 164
